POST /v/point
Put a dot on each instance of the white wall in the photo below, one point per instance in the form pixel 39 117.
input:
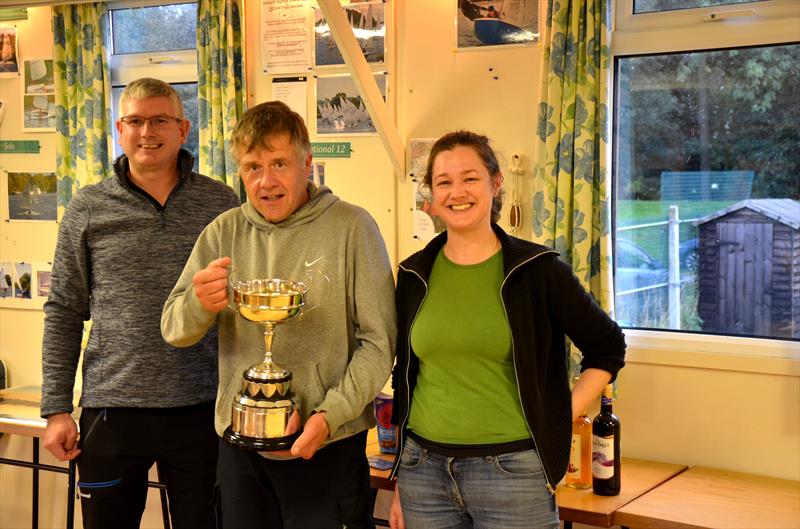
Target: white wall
pixel 722 411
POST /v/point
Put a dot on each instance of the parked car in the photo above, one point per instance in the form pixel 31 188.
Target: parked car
pixel 635 268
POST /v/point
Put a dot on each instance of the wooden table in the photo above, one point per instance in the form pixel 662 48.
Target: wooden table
pixel 708 497
pixel 19 415
pixel 379 479
pixel 638 477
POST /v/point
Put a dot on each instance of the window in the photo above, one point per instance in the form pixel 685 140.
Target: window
pixel 652 6
pixel 156 41
pixel 706 192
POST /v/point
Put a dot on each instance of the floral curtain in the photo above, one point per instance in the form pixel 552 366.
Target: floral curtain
pixel 572 194
pixel 83 98
pixel 220 85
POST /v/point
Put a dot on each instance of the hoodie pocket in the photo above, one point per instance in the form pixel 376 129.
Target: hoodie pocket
pixel 306 385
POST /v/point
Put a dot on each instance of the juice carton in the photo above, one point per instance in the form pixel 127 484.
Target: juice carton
pixel 387 432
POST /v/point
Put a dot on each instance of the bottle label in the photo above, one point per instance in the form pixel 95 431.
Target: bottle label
pixel 574 467
pixel 603 457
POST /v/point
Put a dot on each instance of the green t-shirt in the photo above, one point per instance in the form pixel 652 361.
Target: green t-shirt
pixel 466 391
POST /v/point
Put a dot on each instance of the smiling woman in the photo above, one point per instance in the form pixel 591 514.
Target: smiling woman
pixel 478 305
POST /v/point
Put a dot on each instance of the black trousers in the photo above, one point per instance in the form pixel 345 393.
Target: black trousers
pixel 118 447
pixel 329 491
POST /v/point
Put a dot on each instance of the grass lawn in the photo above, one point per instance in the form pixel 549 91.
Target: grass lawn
pixel 654 240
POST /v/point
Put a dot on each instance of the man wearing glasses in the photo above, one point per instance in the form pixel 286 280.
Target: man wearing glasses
pixel 121 246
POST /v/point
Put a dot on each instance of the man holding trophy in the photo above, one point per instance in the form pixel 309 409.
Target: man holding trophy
pixel 293 426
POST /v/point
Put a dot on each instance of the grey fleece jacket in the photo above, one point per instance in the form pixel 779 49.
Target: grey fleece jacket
pixel 118 256
pixel 341 352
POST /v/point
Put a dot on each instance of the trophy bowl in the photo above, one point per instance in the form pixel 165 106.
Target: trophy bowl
pixel 261 411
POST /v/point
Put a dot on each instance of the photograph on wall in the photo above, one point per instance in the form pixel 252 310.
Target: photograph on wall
pixel 369 28
pixel 485 23
pixel 30 196
pixel 6 280
pixel 22 280
pixel 24 284
pixel 39 96
pixel 340 109
pixel 317 173
pixel 426 225
pixel 9 64
pixel 42 279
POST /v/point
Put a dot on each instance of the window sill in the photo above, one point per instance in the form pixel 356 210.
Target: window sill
pixel 725 353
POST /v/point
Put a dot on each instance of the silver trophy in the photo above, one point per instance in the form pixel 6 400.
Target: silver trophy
pixel 262 409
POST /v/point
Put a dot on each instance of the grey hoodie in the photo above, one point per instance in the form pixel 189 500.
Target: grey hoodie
pixel 341 352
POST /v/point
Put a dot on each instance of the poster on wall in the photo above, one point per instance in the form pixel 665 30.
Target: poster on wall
pixel 285 36
pixel 294 92
pixel 9 65
pixel 369 28
pixel 486 23
pixel 38 96
pixel 425 224
pixel 29 196
pixel 340 109
pixel 24 284
pixel 317 173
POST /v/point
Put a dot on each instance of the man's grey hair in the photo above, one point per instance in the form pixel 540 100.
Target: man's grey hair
pixel 149 87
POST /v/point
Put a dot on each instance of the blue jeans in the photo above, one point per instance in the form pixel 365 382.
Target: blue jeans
pixel 508 491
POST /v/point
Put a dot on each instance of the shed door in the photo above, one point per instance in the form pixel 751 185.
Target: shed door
pixel 745 277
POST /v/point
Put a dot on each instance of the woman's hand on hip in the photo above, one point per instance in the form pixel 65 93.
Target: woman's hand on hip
pixel 396 520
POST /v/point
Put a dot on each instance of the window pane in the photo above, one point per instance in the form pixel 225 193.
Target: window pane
pixel 652 6
pixel 714 135
pixel 154 29
pixel 188 95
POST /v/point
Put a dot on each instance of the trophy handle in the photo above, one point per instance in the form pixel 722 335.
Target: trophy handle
pixel 231 270
pixel 322 282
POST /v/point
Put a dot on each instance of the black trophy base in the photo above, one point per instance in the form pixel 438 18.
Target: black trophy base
pixel 260 444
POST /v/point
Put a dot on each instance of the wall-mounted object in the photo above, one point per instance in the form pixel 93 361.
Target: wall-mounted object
pixel 39 95
pixel 338 149
pixel 369 28
pixel 24 284
pixel 13 13
pixel 18 146
pixel 285 36
pixel 340 108
pixel 29 196
pixel 487 24
pixel 9 62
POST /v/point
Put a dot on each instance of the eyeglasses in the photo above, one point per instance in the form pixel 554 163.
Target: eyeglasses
pixel 155 122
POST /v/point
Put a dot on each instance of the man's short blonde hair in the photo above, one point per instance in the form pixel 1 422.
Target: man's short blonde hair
pixel 149 87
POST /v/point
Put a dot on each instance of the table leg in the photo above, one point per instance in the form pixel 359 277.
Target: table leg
pixel 163 493
pixel 373 496
pixel 35 494
pixel 71 495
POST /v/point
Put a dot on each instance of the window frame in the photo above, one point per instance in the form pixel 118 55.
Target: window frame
pixel 181 65
pixel 776 22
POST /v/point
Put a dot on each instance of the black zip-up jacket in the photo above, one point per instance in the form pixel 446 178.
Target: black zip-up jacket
pixel 544 303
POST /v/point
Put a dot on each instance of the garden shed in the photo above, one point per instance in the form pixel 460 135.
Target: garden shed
pixel 749 269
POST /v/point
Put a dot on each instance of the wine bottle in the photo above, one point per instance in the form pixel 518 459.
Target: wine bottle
pixel 606 448
pixel 579 471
